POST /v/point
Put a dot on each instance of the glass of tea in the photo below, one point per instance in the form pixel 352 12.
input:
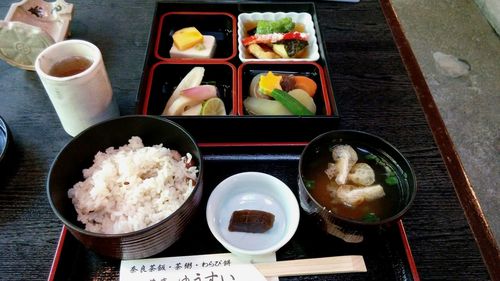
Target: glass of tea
pixel 75 79
pixel 351 183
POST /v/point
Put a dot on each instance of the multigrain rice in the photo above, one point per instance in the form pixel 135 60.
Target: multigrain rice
pixel 132 187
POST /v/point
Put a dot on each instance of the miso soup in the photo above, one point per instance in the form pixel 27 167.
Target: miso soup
pixel 387 175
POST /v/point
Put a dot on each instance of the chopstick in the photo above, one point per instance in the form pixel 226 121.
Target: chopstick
pixel 340 264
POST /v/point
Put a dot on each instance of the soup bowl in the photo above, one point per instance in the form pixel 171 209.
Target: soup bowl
pixel 337 202
pixel 5 143
pixel 79 153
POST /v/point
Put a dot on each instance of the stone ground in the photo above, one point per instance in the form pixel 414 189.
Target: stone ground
pixel 469 104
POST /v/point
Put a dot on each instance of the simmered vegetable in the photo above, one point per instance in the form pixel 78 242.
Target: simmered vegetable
pixel 254 88
pixel 276 39
pixel 256 106
pixel 287 82
pixel 277 94
pixel 304 99
pixel 260 53
pixel 289 48
pixel 269 82
pixel 293 105
pixel 307 84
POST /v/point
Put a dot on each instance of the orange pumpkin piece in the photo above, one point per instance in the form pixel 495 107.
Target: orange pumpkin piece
pixel 307 84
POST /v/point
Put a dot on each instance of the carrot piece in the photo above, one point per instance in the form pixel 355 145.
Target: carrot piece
pixel 307 84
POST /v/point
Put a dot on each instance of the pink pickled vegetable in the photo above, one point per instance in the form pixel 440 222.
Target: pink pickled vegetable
pixel 200 93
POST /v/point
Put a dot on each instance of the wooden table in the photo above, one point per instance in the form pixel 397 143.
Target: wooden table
pixel 374 92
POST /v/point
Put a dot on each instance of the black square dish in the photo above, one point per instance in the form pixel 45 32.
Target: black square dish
pixel 218 24
pixel 235 127
pixel 164 78
pixel 248 71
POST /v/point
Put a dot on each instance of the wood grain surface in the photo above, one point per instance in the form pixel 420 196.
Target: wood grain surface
pixel 371 86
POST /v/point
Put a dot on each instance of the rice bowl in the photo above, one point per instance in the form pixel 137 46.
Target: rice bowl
pixel 132 187
pixel 79 154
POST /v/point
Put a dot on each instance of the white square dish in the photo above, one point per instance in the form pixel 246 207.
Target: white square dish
pixel 312 50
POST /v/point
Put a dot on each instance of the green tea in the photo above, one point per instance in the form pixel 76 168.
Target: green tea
pixel 70 66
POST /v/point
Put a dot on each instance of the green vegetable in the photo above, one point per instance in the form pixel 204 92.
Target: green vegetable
pixel 370 217
pixel 283 25
pixel 371 157
pixel 390 175
pixel 391 180
pixel 293 105
pixel 310 184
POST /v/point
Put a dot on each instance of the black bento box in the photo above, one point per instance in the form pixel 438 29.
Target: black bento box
pixel 162 73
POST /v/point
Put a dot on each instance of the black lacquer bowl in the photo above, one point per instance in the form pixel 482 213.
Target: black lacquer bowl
pixel 392 171
pixel 5 140
pixel 79 154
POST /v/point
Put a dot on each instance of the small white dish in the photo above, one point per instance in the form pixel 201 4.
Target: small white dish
pixel 302 18
pixel 254 191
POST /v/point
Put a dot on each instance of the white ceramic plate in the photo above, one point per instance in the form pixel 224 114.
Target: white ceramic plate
pixel 303 18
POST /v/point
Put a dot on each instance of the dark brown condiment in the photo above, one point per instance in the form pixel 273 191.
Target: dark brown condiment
pixel 70 66
pixel 253 221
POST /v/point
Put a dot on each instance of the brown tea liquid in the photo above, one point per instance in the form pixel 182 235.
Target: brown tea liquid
pixel 70 66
